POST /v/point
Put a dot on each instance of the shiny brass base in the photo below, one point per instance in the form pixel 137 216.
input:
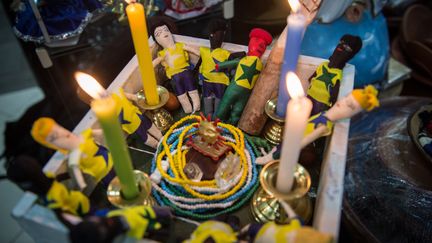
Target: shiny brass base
pixel 143 198
pixel 273 130
pixel 265 204
pixel 159 116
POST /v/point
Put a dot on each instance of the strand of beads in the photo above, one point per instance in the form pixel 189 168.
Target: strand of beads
pixel 201 199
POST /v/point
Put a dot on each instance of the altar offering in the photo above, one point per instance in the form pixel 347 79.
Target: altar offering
pixel 187 191
pixel 196 193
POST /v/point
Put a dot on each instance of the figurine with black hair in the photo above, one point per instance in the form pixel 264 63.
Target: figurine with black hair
pixel 214 82
pixel 247 71
pixel 175 59
pixel 325 82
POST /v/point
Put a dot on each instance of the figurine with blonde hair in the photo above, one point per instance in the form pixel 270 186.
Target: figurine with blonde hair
pixel 321 124
pixel 85 155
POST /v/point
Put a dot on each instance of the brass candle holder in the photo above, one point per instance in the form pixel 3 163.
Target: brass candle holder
pixel 143 198
pixel 159 116
pixel 273 130
pixel 265 204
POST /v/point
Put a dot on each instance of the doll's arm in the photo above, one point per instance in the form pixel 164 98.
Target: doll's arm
pixel 197 66
pixel 75 172
pixel 227 64
pixel 157 61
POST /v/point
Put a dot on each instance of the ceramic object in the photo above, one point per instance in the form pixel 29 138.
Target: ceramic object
pixel 371 62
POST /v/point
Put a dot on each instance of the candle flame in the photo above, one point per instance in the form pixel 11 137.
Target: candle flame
pixel 294 86
pixel 295 5
pixel 90 85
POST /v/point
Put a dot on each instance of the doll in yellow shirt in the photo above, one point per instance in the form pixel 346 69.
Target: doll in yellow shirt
pixel 214 82
pixel 175 59
pixel 325 82
pixel 134 122
pixel 84 154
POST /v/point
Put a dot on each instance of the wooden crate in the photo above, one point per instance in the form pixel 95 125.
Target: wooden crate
pixel 43 227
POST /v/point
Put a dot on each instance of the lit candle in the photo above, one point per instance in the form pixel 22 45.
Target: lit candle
pixel 294 36
pixel 138 26
pixel 104 106
pixel 297 114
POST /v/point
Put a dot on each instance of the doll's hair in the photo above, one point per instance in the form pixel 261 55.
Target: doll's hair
pixel 217 25
pixel 157 21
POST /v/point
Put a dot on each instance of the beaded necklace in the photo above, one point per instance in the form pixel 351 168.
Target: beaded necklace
pixel 201 199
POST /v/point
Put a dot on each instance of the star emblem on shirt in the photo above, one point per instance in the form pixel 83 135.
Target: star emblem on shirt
pixel 326 77
pixel 320 119
pixel 249 72
pixel 102 151
pixel 122 120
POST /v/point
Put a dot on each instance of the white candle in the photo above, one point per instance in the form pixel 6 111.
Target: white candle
pixel 297 114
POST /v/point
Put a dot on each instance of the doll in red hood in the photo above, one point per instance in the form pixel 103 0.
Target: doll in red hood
pixel 247 71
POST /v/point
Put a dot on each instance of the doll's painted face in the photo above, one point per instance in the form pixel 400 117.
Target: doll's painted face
pixel 163 36
pixel 257 47
pixel 346 49
pixel 62 138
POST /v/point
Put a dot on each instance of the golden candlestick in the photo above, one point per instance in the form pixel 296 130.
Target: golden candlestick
pixel 159 116
pixel 143 198
pixel 273 130
pixel 265 204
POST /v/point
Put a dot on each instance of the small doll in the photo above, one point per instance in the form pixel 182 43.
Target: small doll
pixel 84 153
pixel 133 121
pixel 213 231
pixel 292 232
pixel 214 82
pixel 325 82
pixel 321 124
pixel 175 59
pixel 137 222
pixel 55 195
pixel 248 69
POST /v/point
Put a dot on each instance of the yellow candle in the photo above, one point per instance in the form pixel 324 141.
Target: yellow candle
pixel 138 26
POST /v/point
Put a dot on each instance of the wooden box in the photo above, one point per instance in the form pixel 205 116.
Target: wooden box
pixel 40 223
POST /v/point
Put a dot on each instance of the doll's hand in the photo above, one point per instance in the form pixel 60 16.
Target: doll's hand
pixel 265 157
